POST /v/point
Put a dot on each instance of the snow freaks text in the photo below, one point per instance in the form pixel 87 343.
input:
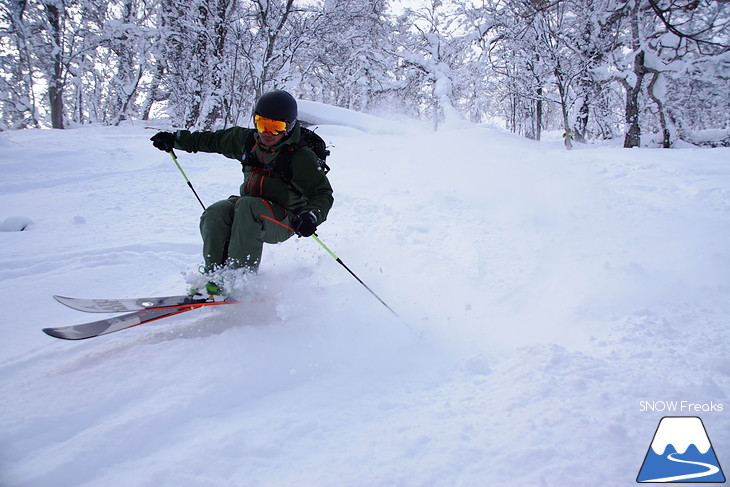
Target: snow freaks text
pixel 681 407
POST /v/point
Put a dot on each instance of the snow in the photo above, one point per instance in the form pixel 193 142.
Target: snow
pixel 544 295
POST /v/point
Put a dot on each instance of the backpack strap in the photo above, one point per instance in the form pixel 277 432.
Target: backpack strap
pixel 282 164
pixel 247 158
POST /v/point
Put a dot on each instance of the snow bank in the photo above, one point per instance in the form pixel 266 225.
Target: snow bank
pixel 316 113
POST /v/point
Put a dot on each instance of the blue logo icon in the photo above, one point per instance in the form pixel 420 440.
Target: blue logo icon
pixel 681 452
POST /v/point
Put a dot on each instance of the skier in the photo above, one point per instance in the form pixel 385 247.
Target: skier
pixel 283 192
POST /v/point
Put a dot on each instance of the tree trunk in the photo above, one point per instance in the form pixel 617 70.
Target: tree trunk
pixel 562 90
pixel 538 114
pixel 199 72
pixel 666 132
pixel 633 131
pixel 633 128
pixel 217 104
pixel 55 82
pixel 153 95
pixel 581 122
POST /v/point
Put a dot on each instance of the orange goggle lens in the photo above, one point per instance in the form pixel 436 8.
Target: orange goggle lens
pixel 274 127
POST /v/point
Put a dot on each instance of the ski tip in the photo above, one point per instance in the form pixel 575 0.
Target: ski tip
pixel 55 333
pixel 64 300
pixel 61 299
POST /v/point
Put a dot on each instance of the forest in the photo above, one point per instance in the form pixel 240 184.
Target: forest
pixel 643 72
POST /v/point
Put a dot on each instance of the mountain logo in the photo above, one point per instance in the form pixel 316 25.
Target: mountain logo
pixel 680 452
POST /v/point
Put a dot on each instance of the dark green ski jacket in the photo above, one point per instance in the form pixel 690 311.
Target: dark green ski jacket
pixel 311 189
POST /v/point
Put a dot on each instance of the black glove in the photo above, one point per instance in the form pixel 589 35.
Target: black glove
pixel 304 224
pixel 165 141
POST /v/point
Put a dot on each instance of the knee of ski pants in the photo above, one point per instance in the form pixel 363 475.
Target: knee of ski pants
pixel 261 214
pixel 253 208
pixel 245 204
pixel 218 214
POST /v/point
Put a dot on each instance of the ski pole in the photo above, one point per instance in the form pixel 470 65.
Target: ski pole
pixel 172 154
pixel 339 261
pixel 316 238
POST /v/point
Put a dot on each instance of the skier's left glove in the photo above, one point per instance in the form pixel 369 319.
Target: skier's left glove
pixel 305 224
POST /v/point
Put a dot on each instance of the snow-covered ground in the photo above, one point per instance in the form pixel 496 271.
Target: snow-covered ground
pixel 547 297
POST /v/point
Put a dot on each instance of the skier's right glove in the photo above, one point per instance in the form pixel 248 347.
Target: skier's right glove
pixel 165 141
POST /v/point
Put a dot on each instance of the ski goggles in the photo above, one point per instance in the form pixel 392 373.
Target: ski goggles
pixel 273 127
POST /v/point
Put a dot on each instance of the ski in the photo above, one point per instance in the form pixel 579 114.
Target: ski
pixel 134 304
pixel 122 322
pixel 110 325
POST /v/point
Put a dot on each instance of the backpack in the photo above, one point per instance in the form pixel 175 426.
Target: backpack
pixel 308 139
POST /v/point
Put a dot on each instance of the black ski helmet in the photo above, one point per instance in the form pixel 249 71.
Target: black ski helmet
pixel 277 105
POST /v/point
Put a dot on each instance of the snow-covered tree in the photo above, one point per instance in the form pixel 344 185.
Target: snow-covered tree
pixel 650 71
pixel 17 97
pixel 432 49
pixel 193 47
pixel 346 62
pixel 659 45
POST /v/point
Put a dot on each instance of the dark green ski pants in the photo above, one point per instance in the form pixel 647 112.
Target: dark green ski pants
pixel 234 232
